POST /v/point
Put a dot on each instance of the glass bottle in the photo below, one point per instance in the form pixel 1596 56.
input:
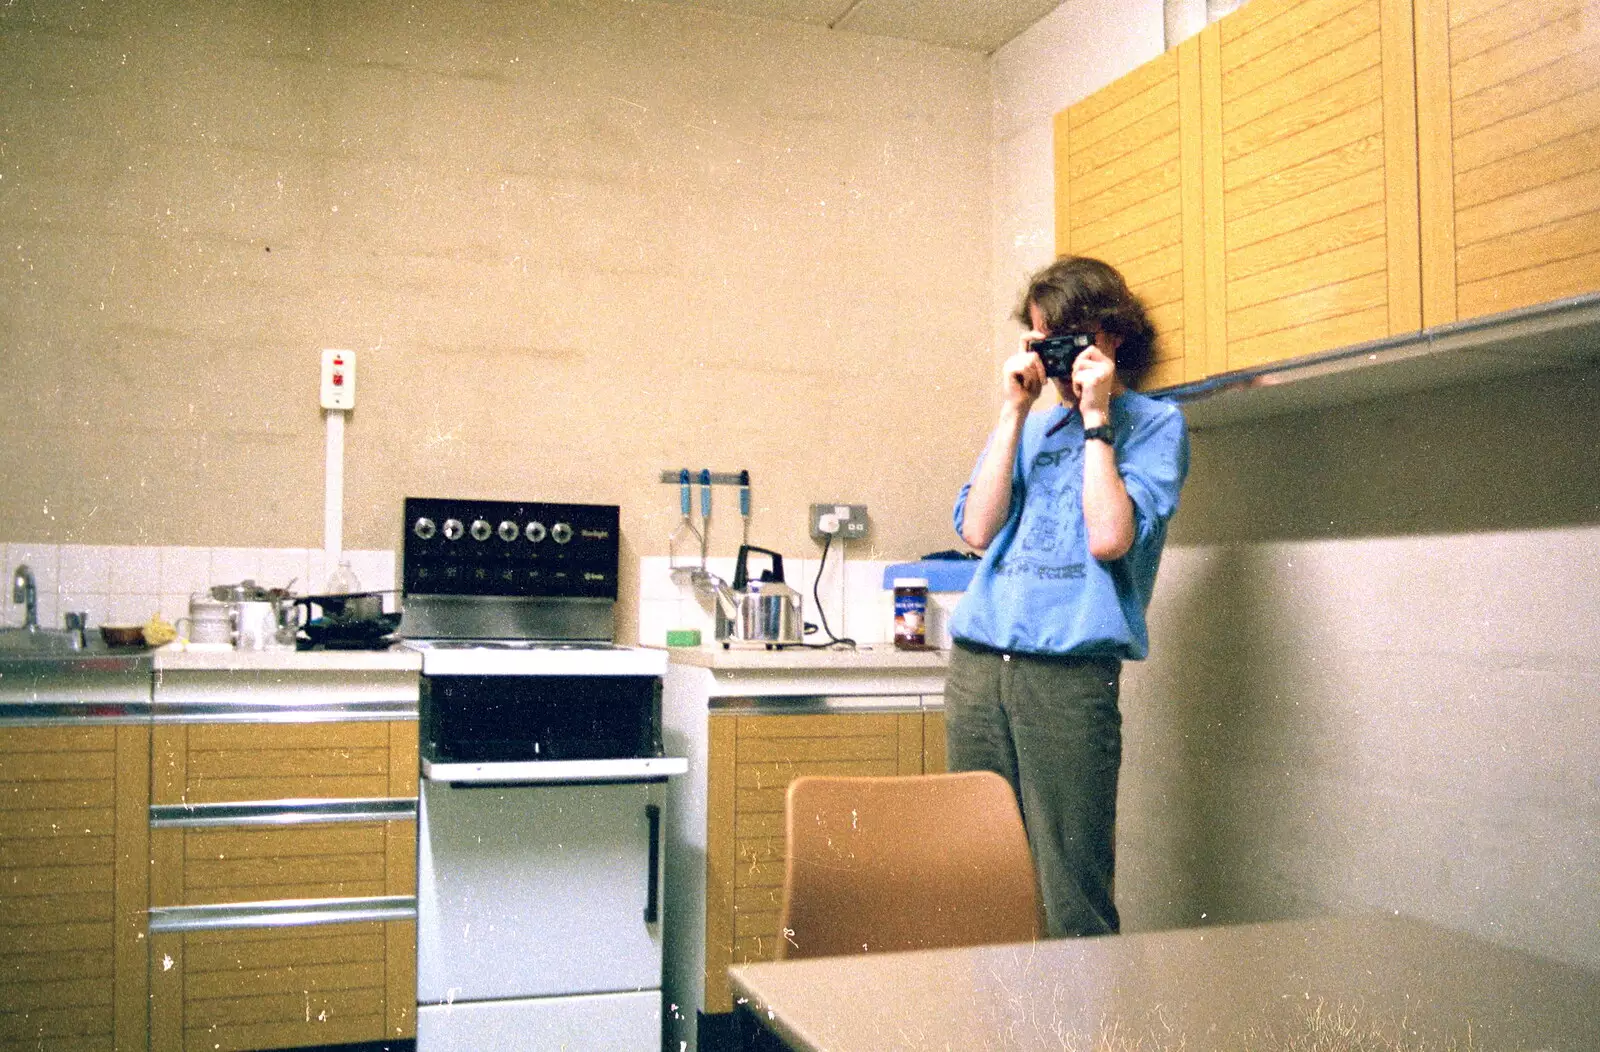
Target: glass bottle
pixel 343 580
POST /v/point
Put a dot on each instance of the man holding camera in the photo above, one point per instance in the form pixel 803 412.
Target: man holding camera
pixel 1070 507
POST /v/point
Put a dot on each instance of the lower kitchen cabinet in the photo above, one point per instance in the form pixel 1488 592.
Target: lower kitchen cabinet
pixel 73 834
pixel 283 876
pixel 749 723
pixel 752 760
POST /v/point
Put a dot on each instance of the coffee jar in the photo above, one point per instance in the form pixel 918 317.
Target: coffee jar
pixel 911 613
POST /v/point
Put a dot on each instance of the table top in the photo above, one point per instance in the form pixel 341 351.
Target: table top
pixel 1341 984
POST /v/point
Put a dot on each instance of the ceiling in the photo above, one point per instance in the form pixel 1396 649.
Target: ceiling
pixel 971 25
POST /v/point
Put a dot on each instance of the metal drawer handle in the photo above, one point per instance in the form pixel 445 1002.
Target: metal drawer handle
pixel 282 812
pixel 225 711
pixel 287 913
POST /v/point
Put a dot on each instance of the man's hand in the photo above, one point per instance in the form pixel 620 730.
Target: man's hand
pixel 1022 376
pixel 1094 379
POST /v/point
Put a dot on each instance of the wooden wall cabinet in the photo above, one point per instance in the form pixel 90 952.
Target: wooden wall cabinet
pixel 753 758
pixel 73 869
pixel 1311 181
pixel 1129 191
pixel 1306 175
pixel 245 984
pixel 1509 122
pixel 1257 185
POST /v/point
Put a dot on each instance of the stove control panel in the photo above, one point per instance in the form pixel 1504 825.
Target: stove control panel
pixel 510 549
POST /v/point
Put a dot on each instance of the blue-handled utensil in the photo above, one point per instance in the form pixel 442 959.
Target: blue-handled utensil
pixel 705 514
pixel 683 574
pixel 744 502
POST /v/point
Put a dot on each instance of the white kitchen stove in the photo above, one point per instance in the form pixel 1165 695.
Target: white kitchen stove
pixel 536 657
pixel 539 861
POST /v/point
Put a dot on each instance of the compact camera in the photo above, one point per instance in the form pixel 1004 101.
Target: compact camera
pixel 1059 352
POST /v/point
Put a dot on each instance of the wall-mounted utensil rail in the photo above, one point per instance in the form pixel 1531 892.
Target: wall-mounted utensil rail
pixel 671 477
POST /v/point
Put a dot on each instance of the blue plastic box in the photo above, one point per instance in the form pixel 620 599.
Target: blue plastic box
pixel 943 575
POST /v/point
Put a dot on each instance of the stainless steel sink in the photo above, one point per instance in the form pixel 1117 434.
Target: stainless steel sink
pixel 36 640
pixel 95 683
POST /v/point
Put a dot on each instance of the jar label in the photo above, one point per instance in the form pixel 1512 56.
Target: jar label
pixel 910 618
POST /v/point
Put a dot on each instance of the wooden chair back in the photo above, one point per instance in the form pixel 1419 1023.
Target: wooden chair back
pixel 904 863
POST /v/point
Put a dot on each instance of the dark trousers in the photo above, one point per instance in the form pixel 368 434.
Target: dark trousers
pixel 1050 727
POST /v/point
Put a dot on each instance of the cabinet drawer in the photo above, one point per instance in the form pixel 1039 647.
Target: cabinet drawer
pixel 196 867
pixel 236 762
pixel 282 987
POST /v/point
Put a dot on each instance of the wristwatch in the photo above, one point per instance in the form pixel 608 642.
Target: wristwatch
pixel 1103 433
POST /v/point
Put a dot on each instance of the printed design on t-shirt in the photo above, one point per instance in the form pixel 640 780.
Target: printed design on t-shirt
pixel 1050 538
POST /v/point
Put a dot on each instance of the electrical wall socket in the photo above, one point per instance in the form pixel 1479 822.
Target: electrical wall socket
pixel 847 522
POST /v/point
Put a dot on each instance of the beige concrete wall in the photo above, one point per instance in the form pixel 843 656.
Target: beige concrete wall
pixel 1373 680
pixel 573 243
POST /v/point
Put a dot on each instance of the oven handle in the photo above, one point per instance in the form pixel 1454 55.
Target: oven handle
pixel 542 772
pixel 652 895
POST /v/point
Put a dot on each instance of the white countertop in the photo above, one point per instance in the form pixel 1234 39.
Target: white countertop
pixel 802 659
pixel 201 658
pixel 884 657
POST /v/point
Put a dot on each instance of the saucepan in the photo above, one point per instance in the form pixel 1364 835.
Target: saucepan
pixel 346 606
pixel 349 617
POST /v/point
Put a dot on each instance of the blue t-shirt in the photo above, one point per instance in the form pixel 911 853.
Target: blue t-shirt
pixel 1038 590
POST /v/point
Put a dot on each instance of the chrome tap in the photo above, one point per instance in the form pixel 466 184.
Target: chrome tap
pixel 25 591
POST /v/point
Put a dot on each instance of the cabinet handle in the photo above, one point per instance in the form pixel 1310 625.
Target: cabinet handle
pixel 652 901
pixel 295 913
pixel 282 812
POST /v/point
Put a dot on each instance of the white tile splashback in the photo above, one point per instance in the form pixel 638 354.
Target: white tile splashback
pixel 122 584
pixel 854 601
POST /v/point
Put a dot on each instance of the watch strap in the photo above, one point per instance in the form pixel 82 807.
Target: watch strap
pixel 1103 433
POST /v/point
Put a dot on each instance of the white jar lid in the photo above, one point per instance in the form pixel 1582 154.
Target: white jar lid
pixel 911 582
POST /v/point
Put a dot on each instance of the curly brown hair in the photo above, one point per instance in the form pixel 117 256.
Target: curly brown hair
pixel 1080 294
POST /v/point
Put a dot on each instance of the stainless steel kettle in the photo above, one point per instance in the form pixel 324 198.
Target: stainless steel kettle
pixel 763 612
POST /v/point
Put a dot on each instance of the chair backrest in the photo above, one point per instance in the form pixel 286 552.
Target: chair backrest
pixel 904 863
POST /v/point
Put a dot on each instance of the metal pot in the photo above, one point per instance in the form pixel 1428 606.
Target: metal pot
pixel 246 591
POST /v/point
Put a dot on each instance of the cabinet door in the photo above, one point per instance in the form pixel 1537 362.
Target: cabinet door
pixel 1509 115
pixel 557 878
pixel 1128 191
pixel 1311 186
pixel 240 986
pixel 934 758
pixel 751 763
pixel 73 805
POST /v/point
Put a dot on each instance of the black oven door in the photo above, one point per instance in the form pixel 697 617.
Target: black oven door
pixel 518 719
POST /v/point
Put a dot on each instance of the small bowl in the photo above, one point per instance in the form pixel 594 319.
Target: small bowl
pixel 122 635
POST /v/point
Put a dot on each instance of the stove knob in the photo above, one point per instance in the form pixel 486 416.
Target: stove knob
pixel 508 531
pixel 424 529
pixel 561 533
pixel 453 529
pixel 535 532
pixel 481 530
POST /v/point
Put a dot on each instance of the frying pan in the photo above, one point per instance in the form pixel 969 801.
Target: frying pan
pixel 345 607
